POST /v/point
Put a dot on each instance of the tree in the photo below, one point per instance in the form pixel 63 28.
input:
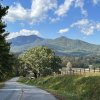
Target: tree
pixel 41 59
pixel 5 56
pixel 69 65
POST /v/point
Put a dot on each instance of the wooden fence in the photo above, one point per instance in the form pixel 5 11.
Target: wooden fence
pixel 74 71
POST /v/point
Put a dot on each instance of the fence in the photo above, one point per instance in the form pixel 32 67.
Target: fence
pixel 74 71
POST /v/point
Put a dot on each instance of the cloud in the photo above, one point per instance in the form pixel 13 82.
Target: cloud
pixel 40 8
pixel 23 32
pixel 98 26
pixel 62 31
pixel 64 8
pixel 87 27
pixel 95 2
pixel 54 19
pixel 38 11
pixel 16 12
pixel 80 22
pixel 80 4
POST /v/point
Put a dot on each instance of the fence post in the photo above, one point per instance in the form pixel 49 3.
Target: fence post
pixel 94 69
pixel 89 69
pixel 84 70
pixel 80 71
pixel 61 72
pixel 70 71
pixel 73 72
pixel 67 72
pixel 76 71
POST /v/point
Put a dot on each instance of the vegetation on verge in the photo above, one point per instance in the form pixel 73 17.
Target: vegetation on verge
pixel 6 58
pixel 1 85
pixel 69 87
pixel 40 60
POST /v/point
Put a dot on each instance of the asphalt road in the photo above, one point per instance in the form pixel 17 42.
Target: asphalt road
pixel 16 91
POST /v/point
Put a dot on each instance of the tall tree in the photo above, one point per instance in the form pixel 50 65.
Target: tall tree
pixel 5 56
pixel 41 59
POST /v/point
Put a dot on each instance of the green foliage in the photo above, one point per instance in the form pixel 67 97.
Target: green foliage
pixel 70 87
pixel 5 57
pixel 1 85
pixel 47 71
pixel 40 59
pixel 82 61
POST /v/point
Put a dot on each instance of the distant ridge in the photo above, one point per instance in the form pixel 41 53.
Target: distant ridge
pixel 61 45
pixel 21 40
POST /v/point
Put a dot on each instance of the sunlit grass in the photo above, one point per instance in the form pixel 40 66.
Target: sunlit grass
pixel 73 87
pixel 91 74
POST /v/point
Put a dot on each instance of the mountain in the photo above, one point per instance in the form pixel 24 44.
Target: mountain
pixel 61 45
pixel 21 40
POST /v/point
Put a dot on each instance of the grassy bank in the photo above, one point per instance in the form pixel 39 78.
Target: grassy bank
pixel 69 87
pixel 1 84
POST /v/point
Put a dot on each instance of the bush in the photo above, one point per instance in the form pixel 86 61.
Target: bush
pixel 46 71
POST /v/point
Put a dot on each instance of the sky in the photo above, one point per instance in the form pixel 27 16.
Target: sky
pixel 75 19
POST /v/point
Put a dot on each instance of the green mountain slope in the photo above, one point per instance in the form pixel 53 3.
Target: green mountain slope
pixel 61 45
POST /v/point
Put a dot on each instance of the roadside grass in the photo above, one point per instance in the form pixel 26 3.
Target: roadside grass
pixel 91 73
pixel 1 85
pixel 69 87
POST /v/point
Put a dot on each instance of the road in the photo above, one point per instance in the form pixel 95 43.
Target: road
pixel 16 91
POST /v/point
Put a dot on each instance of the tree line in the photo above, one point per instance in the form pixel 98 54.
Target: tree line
pixel 82 61
pixel 7 60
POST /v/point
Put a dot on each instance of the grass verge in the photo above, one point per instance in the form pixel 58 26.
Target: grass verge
pixel 70 87
pixel 1 85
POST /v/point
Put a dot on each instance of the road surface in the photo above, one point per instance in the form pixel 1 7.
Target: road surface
pixel 16 91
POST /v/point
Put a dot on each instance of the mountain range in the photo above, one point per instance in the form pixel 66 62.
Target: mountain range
pixel 61 45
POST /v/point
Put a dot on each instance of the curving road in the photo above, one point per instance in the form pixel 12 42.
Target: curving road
pixel 16 91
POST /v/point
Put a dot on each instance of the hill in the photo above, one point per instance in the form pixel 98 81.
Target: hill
pixel 61 45
pixel 22 40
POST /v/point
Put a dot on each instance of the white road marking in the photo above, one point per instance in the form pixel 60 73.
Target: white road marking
pixel 9 89
pixel 25 91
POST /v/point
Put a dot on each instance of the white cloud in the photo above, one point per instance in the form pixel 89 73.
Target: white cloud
pixel 64 8
pixel 40 8
pixel 62 31
pixel 38 11
pixel 54 19
pixel 23 32
pixel 96 2
pixel 86 26
pixel 16 12
pixel 98 26
pixel 80 22
pixel 80 4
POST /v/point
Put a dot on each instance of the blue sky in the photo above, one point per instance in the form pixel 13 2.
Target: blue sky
pixel 76 19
